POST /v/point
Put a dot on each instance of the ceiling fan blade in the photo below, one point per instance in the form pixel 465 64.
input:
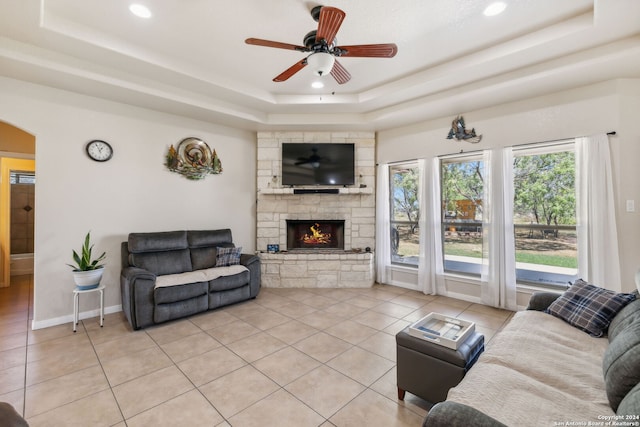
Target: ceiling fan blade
pixel 269 43
pixel 387 50
pixel 291 71
pixel 340 73
pixel 329 23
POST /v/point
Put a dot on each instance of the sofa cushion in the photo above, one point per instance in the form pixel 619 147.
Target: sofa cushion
pixel 630 405
pixel 588 307
pixel 167 294
pixel 159 263
pixel 160 241
pixel 224 283
pixel 179 309
pixel 203 258
pixel 200 276
pixel 231 296
pixel 620 364
pixel 628 315
pixel 228 256
pixel 209 238
pixel 164 252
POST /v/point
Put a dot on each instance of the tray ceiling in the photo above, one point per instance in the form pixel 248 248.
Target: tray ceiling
pixel 190 58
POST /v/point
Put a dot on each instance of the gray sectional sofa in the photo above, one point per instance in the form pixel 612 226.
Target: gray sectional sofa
pixel 542 371
pixel 173 274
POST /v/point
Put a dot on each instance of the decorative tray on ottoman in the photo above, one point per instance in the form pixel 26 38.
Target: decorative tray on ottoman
pixel 444 330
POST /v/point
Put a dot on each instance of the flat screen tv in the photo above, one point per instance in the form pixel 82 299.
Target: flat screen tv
pixel 318 164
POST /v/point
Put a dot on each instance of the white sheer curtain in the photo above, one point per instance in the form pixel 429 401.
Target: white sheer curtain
pixel 598 260
pixel 383 230
pixel 498 279
pixel 430 267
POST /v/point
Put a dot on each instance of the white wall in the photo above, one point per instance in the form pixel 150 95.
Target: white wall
pixel 133 192
pixel 626 156
pixel 608 106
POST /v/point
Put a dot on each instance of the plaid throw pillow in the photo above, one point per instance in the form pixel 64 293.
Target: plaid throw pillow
pixel 588 307
pixel 227 256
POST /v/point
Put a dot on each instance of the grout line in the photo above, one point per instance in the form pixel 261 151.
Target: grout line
pixel 195 387
pixel 93 347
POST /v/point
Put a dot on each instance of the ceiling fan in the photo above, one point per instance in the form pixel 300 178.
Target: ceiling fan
pixel 313 159
pixel 322 45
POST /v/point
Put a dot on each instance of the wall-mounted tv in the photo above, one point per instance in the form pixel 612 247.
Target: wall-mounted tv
pixel 318 164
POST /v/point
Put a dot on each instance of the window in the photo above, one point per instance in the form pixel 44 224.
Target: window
pixel 544 213
pixel 16 177
pixel 462 192
pixel 405 214
pixel 544 209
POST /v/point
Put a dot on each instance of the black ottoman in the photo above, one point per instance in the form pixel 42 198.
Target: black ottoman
pixel 429 370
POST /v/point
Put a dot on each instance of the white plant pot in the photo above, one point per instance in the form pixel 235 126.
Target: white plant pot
pixel 88 279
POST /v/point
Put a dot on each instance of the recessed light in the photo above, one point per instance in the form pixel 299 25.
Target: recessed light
pixel 140 10
pixel 317 84
pixel 495 8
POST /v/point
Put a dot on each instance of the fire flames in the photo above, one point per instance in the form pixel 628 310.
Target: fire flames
pixel 317 237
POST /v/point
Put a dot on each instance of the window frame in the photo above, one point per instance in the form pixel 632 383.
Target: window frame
pixel 555 281
pixel 467 269
pixel 393 258
pixel 21 177
pixel 474 270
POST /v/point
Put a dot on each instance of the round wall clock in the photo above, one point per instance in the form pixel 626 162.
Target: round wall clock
pixel 99 150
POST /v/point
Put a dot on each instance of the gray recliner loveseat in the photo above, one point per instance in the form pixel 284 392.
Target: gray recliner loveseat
pixel 169 275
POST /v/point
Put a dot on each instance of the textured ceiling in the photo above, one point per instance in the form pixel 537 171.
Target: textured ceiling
pixel 190 57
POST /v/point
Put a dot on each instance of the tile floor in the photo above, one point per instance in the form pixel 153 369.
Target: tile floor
pixel 291 357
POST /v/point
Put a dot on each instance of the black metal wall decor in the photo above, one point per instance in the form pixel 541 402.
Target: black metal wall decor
pixel 460 133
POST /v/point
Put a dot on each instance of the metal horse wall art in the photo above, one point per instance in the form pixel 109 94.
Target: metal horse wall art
pixel 459 132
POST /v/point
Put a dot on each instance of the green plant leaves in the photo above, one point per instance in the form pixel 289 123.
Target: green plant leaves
pixel 84 262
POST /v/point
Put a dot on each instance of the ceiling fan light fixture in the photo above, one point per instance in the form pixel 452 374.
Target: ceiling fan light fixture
pixel 495 8
pixel 321 44
pixel 140 10
pixel 321 63
pixel 317 84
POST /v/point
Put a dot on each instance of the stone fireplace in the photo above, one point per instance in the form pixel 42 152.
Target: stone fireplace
pixel 286 214
pixel 312 235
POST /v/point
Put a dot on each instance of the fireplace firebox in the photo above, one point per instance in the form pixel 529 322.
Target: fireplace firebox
pixel 315 234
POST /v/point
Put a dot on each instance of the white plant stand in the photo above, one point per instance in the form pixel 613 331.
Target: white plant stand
pixel 76 304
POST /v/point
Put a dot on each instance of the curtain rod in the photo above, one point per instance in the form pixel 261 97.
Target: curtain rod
pixel 554 141
pixel 399 162
pixel 612 133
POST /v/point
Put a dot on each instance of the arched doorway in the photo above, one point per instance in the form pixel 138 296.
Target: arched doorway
pixel 17 153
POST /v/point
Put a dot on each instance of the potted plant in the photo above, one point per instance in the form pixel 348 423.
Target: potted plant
pixel 87 272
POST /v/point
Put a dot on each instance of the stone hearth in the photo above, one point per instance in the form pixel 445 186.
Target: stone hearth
pixel 317 270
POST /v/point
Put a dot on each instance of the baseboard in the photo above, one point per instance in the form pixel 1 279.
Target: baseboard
pixel 40 324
